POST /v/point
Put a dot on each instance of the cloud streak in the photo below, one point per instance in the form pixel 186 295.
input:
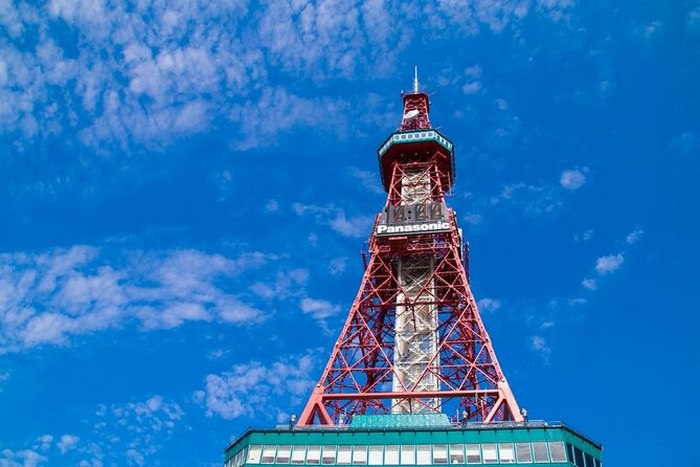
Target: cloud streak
pixel 48 297
pixel 257 390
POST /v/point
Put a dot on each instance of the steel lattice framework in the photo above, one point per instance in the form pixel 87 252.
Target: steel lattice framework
pixel 414 341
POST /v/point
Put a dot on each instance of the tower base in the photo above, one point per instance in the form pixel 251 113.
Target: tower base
pixel 415 440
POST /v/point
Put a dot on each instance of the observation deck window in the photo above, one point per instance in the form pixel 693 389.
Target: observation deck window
pixel 313 455
pixel 344 455
pixel 284 453
pixel 254 454
pixel 440 454
pixel 473 454
pixel 329 455
pixel 423 454
pixel 522 450
pixel 391 455
pixel 298 454
pixel 557 451
pixel 540 452
pixel 408 455
pixel 359 455
pixel 506 453
pixel 490 453
pixel 268 455
pixel 456 454
pixel 375 455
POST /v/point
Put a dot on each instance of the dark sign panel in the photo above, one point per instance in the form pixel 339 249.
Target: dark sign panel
pixel 414 219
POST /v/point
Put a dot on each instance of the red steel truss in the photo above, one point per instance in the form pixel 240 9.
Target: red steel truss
pixel 361 376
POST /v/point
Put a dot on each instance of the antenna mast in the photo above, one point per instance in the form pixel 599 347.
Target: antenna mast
pixel 415 79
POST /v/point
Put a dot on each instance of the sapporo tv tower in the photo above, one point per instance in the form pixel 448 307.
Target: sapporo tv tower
pixel 413 378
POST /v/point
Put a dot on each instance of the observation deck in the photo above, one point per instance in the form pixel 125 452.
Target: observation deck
pixel 415 440
pixel 417 146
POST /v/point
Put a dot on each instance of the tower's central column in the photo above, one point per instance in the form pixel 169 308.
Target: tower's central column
pixel 416 364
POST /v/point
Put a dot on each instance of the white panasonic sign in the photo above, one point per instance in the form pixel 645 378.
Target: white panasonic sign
pixel 426 227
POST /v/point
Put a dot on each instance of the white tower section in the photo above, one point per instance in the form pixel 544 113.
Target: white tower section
pixel 416 316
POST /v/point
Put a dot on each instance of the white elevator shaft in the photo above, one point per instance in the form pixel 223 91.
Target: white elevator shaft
pixel 416 317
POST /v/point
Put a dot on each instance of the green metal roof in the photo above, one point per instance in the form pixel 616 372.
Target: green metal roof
pixel 431 420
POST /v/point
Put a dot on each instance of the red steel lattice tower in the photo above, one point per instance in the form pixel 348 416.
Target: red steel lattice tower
pixel 414 341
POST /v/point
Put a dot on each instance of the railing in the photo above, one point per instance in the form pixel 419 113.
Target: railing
pixel 454 426
pixel 414 136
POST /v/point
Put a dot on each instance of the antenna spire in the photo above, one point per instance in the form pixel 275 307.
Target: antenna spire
pixel 415 79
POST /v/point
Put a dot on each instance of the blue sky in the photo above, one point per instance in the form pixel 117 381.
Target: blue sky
pixel 186 187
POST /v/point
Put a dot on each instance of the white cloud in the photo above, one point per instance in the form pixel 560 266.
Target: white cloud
pixel 573 179
pixel 474 218
pixel 355 226
pixel 648 31
pixel 337 266
pixel 685 143
pixel 23 458
pixel 692 20
pixel 275 112
pixel 255 390
pixel 634 236
pixel 67 443
pixel 48 297
pixel 474 71
pixel 369 180
pixel 489 304
pixel 44 442
pixel 470 17
pixel 472 87
pixel 318 309
pixel 272 205
pixel 609 264
pixel 584 236
pixel 287 283
pixel 152 72
pixel 533 199
pixel 539 344
pixel 590 283
pixel 135 430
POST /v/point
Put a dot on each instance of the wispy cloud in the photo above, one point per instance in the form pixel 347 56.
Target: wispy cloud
pixel 67 443
pixel 257 390
pixel 573 179
pixel 48 297
pixel 286 283
pixel 355 226
pixel 604 265
pixel 685 143
pixel 489 304
pixel 337 266
pixel 609 263
pixel 584 236
pixel 320 310
pixel 133 433
pixel 44 442
pixel 369 180
pixel 692 20
pixel 634 236
pixel 152 73
pixel 540 345
pixel 22 458
pixel 533 199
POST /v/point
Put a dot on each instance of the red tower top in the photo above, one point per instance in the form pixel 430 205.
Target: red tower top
pixel 416 140
pixel 416 108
